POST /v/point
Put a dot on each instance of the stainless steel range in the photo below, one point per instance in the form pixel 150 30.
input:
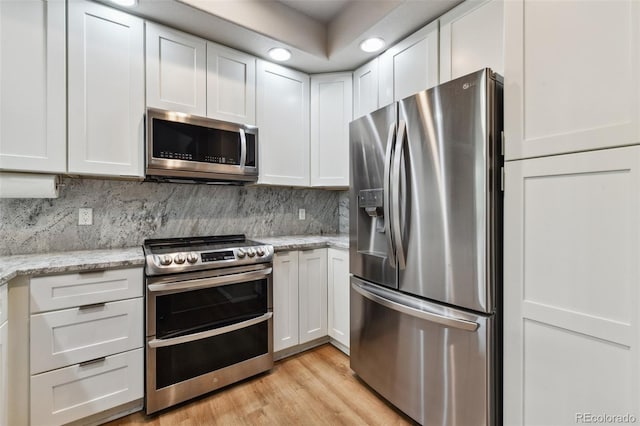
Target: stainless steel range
pixel 209 308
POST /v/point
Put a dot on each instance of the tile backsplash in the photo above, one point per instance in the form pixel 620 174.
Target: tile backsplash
pixel 125 213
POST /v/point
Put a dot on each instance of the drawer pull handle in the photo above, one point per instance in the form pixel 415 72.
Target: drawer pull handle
pixel 92 271
pixel 91 306
pixel 93 361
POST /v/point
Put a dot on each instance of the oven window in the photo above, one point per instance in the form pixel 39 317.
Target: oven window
pixel 175 364
pixel 193 311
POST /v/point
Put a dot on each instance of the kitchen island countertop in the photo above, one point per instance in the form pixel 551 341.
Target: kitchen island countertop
pixel 86 260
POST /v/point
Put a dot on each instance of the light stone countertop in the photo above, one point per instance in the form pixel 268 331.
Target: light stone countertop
pixel 74 261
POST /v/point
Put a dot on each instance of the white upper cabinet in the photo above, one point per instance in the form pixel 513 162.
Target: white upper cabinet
pixel 176 71
pixel 571 294
pixel 365 89
pixel 571 76
pixel 33 86
pixel 106 91
pixel 283 123
pixel 331 112
pixel 410 66
pixel 231 85
pixel 472 38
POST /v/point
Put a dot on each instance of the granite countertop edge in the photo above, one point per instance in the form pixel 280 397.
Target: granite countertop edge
pixel 86 260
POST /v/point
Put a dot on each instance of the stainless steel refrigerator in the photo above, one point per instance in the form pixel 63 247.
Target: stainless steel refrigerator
pixel 426 249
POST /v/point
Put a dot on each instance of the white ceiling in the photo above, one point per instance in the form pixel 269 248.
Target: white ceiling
pixel 323 35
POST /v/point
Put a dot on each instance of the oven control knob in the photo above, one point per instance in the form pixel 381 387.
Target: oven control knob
pixel 241 253
pixel 179 258
pixel 260 251
pixel 165 260
pixel 251 252
pixel 192 257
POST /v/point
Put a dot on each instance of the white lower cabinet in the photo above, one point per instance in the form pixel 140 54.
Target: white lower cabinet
pixel 571 294
pixel 86 358
pixel 4 348
pixel 72 393
pixel 300 297
pixel 338 296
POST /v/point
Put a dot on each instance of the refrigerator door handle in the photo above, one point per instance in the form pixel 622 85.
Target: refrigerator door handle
pixel 395 178
pixel 387 196
pixel 452 322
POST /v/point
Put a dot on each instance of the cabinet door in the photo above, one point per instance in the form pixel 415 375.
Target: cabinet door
pixel 365 89
pixel 338 295
pixel 331 112
pixel 285 300
pixel 411 65
pixel 176 71
pixel 571 294
pixel 4 348
pixel 33 86
pixel 231 85
pixel 571 71
pixel 471 38
pixel 106 91
pixel 313 294
pixel 283 120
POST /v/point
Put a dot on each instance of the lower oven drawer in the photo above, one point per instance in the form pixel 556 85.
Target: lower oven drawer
pixel 72 393
pixel 62 338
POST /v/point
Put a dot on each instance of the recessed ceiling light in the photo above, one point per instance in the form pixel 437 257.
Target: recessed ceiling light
pixel 279 54
pixel 127 3
pixel 372 44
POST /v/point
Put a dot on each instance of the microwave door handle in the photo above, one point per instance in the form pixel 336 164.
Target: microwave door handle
pixel 243 148
pixel 159 343
pixel 395 197
pixel 386 195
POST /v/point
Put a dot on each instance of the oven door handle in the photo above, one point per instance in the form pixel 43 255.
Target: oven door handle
pixel 209 282
pixel 159 343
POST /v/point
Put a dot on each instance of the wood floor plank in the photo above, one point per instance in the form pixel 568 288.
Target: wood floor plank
pixel 316 387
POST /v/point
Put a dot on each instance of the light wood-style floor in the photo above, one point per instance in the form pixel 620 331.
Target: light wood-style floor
pixel 313 388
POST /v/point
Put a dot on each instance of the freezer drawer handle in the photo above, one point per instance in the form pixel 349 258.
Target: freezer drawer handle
pixel 458 323
pixel 158 343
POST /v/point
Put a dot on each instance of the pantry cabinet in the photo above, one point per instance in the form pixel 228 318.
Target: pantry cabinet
pixel 571 294
pixel 338 296
pixel 106 91
pixel 33 86
pixel 472 38
pixel 571 71
pixel 283 122
pixel 300 297
pixel 231 85
pixel 176 70
pixel 409 66
pixel 331 112
pixel 365 89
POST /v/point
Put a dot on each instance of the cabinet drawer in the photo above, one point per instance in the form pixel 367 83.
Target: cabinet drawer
pixel 3 303
pixel 75 392
pixel 67 337
pixel 84 288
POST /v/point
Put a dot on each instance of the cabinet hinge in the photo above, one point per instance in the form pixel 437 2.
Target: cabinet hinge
pixel 502 142
pixel 502 178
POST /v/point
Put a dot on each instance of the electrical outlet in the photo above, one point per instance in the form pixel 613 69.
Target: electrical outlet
pixel 302 214
pixel 85 216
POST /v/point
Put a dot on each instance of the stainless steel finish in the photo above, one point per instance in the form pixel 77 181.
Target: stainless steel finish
pixel 184 169
pixel 159 343
pixel 402 303
pixel 251 252
pixel 241 253
pixel 171 395
pixel 387 197
pixel 179 258
pixel 260 251
pixel 243 149
pixel 174 287
pixel 369 248
pixel 396 233
pixel 165 260
pixel 449 215
pixel 192 257
pixel 436 374
pixel 92 361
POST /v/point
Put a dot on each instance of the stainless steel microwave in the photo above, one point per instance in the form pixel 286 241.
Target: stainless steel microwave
pixel 185 147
